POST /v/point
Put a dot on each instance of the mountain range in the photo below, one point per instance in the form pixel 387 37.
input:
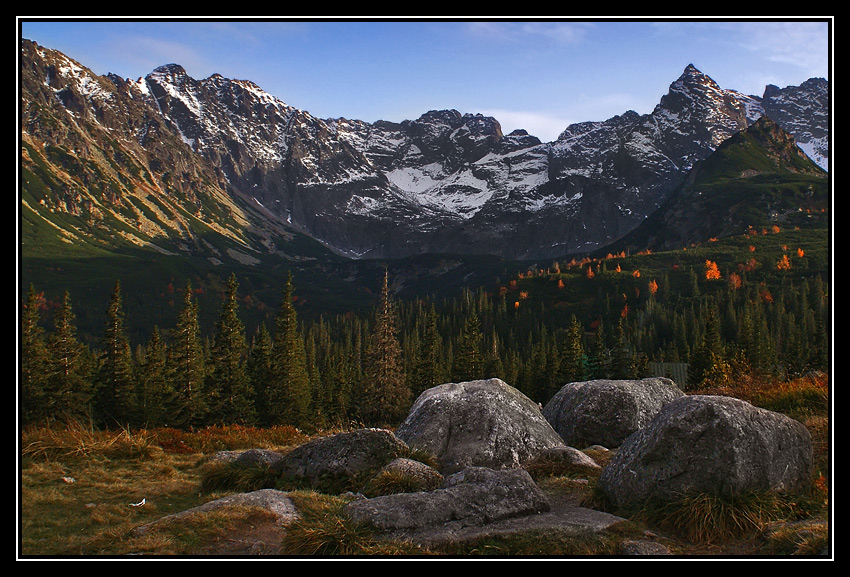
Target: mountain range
pixel 221 170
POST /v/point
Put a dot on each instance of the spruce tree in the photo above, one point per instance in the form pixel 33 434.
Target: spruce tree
pixel 385 394
pixel 539 380
pixel 621 359
pixel 343 378
pixel 289 392
pixel 468 363
pixel 429 371
pixel 188 366
pixel 155 397
pixel 316 404
pixel 493 367
pixel 229 395
pixel 709 354
pixel 33 361
pixel 598 357
pixel 114 384
pixel 572 355
pixel 68 390
pixel 260 367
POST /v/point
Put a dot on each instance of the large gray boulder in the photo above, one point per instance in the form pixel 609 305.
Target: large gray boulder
pixel 483 423
pixel 709 444
pixel 340 457
pixel 473 496
pixel 605 412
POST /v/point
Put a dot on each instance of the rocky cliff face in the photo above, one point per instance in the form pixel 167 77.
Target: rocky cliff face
pixel 803 111
pixel 445 182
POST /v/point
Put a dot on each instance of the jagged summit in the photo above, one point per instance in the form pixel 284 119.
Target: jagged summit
pixel 755 179
pixel 445 182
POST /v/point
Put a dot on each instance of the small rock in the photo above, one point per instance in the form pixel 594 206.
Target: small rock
pixel 643 547
pixel 258 457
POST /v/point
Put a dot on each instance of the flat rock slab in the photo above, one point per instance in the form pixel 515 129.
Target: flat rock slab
pixel 276 502
pixel 567 519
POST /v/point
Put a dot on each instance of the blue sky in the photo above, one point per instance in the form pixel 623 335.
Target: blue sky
pixel 539 75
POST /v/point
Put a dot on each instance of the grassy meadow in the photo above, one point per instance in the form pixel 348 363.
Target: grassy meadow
pixel 82 492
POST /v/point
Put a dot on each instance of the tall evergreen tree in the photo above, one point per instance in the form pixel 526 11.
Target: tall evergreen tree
pixel 572 367
pixel 468 363
pixel 316 404
pixel 289 393
pixel 68 391
pixel 429 371
pixel 229 394
pixel 114 383
pixel 598 357
pixel 155 397
pixel 709 353
pixel 621 359
pixel 188 366
pixel 33 361
pixel 260 367
pixel 385 394
pixel 493 366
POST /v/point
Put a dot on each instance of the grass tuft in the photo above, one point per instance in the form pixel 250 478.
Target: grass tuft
pixel 391 482
pixel 78 440
pixel 235 477
pixel 799 539
pixel 324 529
pixel 712 519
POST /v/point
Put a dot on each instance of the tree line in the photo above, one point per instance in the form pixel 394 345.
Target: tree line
pixel 368 368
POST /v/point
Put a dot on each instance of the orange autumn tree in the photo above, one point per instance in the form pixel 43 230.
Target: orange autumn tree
pixel 735 281
pixel 784 263
pixel 711 270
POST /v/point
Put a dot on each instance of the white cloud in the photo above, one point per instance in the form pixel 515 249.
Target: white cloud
pixel 800 44
pixel 558 32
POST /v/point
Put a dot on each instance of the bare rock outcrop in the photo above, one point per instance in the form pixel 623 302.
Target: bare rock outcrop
pixel 276 502
pixel 341 457
pixel 475 495
pixel 709 444
pixel 605 412
pixel 483 423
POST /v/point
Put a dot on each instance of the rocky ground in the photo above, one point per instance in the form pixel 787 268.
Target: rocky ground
pixel 263 536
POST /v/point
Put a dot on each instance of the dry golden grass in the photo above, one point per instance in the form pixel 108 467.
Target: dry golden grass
pixel 80 493
pixel 324 530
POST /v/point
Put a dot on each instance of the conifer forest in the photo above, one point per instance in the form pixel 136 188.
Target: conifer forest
pixel 594 319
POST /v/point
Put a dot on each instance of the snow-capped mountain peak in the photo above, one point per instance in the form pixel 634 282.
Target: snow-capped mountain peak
pixel 444 182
